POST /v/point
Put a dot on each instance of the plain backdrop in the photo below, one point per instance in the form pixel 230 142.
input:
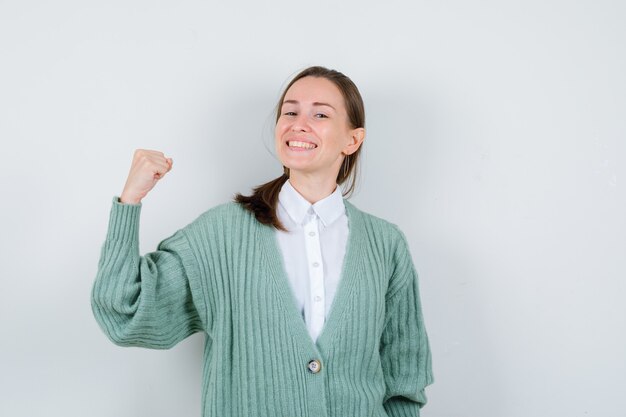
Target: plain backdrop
pixel 496 140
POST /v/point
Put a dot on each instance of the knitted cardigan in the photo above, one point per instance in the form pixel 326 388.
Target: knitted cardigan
pixel 223 275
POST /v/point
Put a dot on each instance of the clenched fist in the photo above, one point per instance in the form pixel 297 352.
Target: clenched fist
pixel 147 169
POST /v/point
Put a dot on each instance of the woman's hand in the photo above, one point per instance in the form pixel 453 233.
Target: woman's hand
pixel 147 169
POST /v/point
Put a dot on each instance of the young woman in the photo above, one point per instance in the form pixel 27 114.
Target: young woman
pixel 310 306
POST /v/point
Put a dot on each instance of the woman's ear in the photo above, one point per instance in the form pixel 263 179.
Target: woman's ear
pixel 356 139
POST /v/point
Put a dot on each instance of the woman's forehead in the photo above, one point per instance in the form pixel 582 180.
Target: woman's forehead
pixel 314 90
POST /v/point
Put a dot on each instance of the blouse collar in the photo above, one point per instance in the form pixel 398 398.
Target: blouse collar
pixel 328 209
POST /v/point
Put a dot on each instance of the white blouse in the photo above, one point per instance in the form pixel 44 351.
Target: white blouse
pixel 313 251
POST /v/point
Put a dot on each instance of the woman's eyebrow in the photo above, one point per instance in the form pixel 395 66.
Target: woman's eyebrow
pixel 316 103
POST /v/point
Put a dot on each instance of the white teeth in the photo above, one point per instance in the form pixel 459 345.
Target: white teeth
pixel 298 144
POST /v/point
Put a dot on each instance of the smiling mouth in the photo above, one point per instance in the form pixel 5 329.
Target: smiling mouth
pixel 301 145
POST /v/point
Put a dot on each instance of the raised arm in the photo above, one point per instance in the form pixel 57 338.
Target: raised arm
pixel 144 300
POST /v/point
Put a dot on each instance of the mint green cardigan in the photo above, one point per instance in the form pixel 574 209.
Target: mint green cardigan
pixel 223 275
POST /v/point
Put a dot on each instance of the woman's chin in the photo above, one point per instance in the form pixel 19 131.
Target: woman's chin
pixel 297 165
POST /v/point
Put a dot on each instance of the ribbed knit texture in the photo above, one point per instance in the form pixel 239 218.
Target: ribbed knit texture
pixel 223 275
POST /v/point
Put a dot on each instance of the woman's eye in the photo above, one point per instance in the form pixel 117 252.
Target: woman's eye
pixel 290 113
pixel 321 116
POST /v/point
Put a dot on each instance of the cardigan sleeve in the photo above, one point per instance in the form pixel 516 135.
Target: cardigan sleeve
pixel 405 351
pixel 144 300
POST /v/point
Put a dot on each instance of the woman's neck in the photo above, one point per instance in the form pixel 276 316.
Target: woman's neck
pixel 312 188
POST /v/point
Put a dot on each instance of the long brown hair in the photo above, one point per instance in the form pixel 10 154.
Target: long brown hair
pixel 262 202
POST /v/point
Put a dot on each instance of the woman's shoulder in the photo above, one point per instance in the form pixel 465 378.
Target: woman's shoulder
pixel 227 208
pixel 380 227
pixel 222 215
pixel 382 235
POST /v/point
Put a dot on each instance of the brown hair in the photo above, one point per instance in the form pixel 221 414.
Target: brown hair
pixel 262 202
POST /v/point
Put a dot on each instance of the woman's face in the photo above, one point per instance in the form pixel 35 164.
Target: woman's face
pixel 313 133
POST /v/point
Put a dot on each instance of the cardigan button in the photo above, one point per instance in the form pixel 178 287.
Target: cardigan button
pixel 314 366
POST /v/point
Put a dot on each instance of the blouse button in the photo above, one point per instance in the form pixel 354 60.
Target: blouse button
pixel 311 233
pixel 316 264
pixel 314 366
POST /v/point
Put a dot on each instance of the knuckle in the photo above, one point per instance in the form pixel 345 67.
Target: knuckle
pixel 139 153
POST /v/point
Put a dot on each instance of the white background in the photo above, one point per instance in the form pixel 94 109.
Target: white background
pixel 496 141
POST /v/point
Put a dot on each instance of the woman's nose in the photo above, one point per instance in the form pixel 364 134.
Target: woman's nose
pixel 300 124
